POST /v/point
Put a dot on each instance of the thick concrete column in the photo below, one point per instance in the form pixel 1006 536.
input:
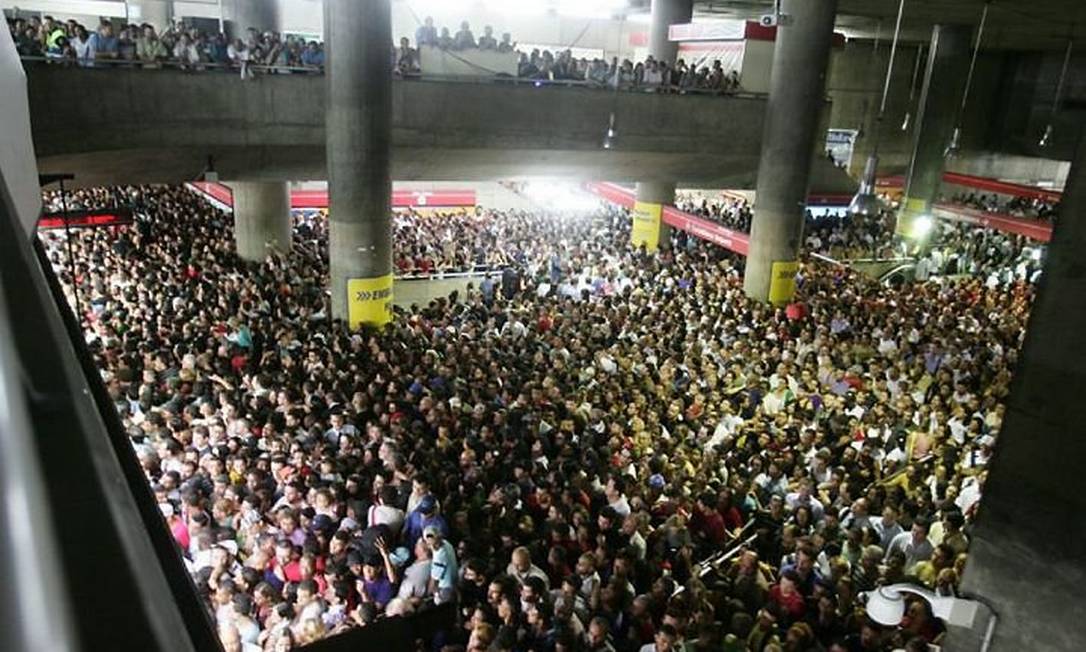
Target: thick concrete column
pixel 262 221
pixel 1027 557
pixel 666 13
pixel 243 14
pixel 795 102
pixel 358 123
pixel 648 224
pixel 157 13
pixel 940 99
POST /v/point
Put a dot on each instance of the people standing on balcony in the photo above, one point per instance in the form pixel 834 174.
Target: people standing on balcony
pixel 426 34
pixel 126 44
pixel 239 58
pixel 313 55
pixel 104 43
pixel 445 41
pixel 149 48
pixel 465 40
pixel 185 53
pixel 507 45
pixel 406 57
pixel 81 45
pixel 487 40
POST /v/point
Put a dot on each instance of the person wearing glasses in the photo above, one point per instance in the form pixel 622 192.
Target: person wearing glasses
pixel 443 568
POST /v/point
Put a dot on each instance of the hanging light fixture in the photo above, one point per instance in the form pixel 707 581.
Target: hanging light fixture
pixel 1046 137
pixel 954 145
pixel 609 135
pixel 866 202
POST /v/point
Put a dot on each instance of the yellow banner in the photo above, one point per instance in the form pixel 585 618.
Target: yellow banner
pixel 369 301
pixel 782 284
pixel 646 225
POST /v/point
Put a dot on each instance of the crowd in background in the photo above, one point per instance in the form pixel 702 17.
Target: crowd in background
pixel 648 75
pixel 1037 209
pixel 838 234
pixel 556 451
pixel 141 45
pixel 190 48
pixel 998 258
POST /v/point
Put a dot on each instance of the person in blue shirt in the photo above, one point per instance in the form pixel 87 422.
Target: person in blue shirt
pixel 426 34
pixel 103 43
pixel 313 55
pixel 217 50
pixel 443 567
pixel 422 517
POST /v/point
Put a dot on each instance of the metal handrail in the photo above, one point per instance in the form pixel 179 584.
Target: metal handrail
pixel 168 64
pixel 441 276
pixel 35 615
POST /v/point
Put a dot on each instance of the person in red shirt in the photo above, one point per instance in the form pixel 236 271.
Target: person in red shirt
pixel 787 596
pixel 706 522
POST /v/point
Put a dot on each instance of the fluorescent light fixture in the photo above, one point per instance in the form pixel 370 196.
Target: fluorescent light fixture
pixel 1046 137
pixel 600 9
pixel 561 196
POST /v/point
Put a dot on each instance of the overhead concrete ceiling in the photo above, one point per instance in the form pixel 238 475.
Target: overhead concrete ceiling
pixel 1011 25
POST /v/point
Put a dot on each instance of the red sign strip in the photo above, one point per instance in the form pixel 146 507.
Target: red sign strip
pixel 400 199
pixel 319 198
pixel 983 183
pixel 84 219
pixel 675 218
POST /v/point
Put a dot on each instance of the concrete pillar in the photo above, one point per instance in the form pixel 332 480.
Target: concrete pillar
pixel 666 13
pixel 648 225
pixel 1026 556
pixel 159 13
pixel 940 99
pixel 795 102
pixel 358 123
pixel 262 221
pixel 243 14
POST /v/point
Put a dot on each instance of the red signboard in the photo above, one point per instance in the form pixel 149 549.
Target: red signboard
pixel 707 230
pixel 1002 187
pixel 985 184
pixel 400 198
pixel 673 217
pixel 85 219
pixel 318 198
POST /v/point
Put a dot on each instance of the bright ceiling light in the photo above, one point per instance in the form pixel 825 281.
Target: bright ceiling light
pixel 600 9
pixel 922 226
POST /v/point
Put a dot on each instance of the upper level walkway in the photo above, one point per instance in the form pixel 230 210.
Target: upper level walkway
pixel 136 125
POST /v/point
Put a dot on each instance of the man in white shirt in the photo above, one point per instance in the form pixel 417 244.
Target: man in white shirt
pixel 386 512
pixel 521 567
pixel 914 544
pixel 415 586
pixel 887 527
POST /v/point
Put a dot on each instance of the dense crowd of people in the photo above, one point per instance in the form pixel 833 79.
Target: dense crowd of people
pixel 966 250
pixel 839 235
pixel 189 48
pixel 141 45
pixel 1037 209
pixel 648 75
pixel 557 451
